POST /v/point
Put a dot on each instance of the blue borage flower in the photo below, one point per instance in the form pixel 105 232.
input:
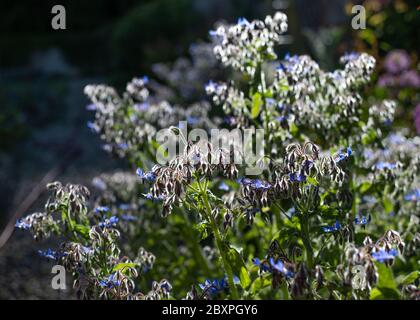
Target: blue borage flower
pixel 109 223
pixel 362 220
pixel 282 119
pixel 384 256
pixel 349 56
pixel 385 165
pixel 387 122
pixel 282 67
pixel 263 265
pixel 344 156
pixel 149 176
pixel 150 196
pixel 99 184
pixel 213 33
pixel 192 120
pixel 333 228
pixel 51 254
pixel 110 282
pixel 243 22
pixel 289 64
pixel 122 145
pixel 244 181
pixel 145 79
pixel 223 186
pixel 129 218
pixel 260 184
pixel 255 184
pixel 140 107
pixel 413 195
pixel 270 102
pixel 369 199
pixel 140 81
pixel 297 177
pixel 91 107
pixel 368 154
pixel 395 138
pixel 22 224
pixel 92 126
pixel 215 286
pixel 272 266
pixel 107 147
pixel 289 57
pixel 165 285
pixel 124 206
pixel 279 266
pixel 231 121
pixel 86 250
pixel 211 86
pixel 101 209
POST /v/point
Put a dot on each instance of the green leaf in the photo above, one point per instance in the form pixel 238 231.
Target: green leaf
pixel 413 276
pixel 235 260
pixel 376 294
pixel 365 186
pixel 386 278
pixel 244 278
pixel 312 181
pixel 202 228
pixel 388 206
pixel 124 265
pixel 82 230
pixel 386 284
pixel 369 137
pixel 260 283
pixel 256 105
pixel 294 130
pixel 284 290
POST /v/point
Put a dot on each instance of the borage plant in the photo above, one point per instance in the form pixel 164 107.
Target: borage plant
pixel 330 211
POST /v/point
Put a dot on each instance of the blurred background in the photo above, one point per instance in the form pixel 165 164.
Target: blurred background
pixel 43 132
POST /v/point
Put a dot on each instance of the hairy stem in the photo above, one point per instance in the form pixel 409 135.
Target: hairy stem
pixel 304 228
pixel 197 251
pixel 219 243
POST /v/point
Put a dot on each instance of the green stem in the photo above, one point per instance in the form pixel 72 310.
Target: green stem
pixel 70 223
pixel 219 243
pixel 304 228
pixel 265 111
pixel 197 251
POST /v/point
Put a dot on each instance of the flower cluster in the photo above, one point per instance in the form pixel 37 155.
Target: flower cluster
pixel 170 182
pixel 384 250
pixel 186 77
pixel 323 101
pixel 40 224
pixel 313 202
pixel 245 45
pixel 92 253
pixel 304 96
pixel 130 121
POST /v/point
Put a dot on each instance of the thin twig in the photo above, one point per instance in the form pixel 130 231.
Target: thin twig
pixel 36 192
